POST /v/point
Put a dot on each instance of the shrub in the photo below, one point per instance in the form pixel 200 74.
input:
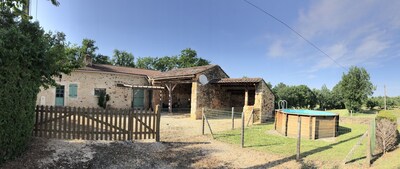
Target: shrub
pixel 386 131
pixel 386 115
pixel 29 58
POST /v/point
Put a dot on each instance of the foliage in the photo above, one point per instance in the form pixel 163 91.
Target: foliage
pixel 355 87
pixel 103 99
pixel 20 8
pixel 101 59
pixel 29 58
pixel 328 99
pixel 77 53
pixel 123 58
pixel 386 115
pixel 297 96
pixel 187 58
pixel 145 62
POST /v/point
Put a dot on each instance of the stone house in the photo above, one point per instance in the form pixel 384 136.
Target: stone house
pixel 81 88
pixel 184 89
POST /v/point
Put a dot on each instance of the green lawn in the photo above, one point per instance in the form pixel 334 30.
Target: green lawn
pixel 332 152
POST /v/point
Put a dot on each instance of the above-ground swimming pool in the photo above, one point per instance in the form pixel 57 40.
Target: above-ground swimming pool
pixel 314 124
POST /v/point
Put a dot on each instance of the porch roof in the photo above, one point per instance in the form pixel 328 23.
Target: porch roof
pixel 183 72
pixel 236 81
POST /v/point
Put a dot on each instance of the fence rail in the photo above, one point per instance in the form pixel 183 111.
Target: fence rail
pixel 96 124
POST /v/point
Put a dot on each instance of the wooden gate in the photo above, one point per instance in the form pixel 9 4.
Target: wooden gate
pixel 96 124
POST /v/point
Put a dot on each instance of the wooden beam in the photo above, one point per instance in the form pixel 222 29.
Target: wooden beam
pixel 170 88
pixel 246 97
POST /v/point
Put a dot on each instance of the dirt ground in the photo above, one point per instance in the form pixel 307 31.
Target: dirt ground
pixel 181 146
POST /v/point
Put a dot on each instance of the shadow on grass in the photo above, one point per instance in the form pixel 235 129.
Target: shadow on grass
pixel 303 154
pixel 344 130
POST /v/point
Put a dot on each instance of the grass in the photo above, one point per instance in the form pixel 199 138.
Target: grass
pixel 331 152
pixel 390 160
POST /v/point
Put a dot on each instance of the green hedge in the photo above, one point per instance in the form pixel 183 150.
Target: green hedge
pixel 386 114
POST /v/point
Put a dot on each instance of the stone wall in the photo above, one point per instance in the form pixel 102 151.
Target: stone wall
pixel 87 81
pixel 266 98
pixel 209 95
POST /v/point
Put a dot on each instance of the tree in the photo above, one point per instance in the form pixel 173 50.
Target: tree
pixel 101 59
pixel 165 63
pixel 297 96
pixel 187 58
pixel 123 58
pixel 145 63
pixel 355 87
pixel 88 48
pixel 29 58
pixel 20 8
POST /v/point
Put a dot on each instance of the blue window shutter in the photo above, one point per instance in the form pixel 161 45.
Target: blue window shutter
pixel 73 90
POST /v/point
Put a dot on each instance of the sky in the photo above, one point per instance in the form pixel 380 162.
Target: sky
pixel 243 40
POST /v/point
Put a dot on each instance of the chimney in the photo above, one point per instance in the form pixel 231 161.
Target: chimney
pixel 88 60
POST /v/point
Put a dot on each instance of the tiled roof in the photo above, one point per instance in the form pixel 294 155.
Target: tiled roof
pixel 184 71
pixel 120 69
pixel 236 80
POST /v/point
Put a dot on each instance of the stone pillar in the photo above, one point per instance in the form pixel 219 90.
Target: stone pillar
pixel 195 110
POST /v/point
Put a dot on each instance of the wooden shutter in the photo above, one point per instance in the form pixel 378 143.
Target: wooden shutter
pixel 73 90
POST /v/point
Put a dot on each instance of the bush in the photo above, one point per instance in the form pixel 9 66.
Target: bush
pixel 386 131
pixel 386 115
pixel 29 58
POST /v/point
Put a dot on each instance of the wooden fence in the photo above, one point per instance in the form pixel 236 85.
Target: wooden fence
pixel 96 124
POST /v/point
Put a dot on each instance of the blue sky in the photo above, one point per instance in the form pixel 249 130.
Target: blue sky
pixel 243 40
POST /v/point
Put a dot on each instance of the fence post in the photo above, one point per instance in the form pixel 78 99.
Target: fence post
pixel 242 135
pixel 158 113
pixel 369 147
pixel 130 124
pixel 298 137
pixel 233 118
pixel 203 121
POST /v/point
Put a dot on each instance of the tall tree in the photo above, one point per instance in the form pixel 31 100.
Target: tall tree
pixel 123 58
pixel 355 87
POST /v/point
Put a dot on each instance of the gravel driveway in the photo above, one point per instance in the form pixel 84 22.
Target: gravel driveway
pixel 181 146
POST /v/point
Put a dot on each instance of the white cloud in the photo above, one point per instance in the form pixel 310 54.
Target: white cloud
pixel 350 32
pixel 276 49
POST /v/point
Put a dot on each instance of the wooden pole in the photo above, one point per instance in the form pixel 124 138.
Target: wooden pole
pixel 246 97
pixel 158 112
pixel 369 147
pixel 298 138
pixel 233 118
pixel 384 86
pixel 203 121
pixel 170 89
pixel 209 126
pixel 242 135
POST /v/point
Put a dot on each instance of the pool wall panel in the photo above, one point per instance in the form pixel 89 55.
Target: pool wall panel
pixel 312 127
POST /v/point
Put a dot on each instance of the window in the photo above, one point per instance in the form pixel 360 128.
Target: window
pixel 60 91
pixel 73 90
pixel 97 91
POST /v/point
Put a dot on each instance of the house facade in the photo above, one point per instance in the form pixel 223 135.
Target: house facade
pixel 82 87
pixel 185 90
